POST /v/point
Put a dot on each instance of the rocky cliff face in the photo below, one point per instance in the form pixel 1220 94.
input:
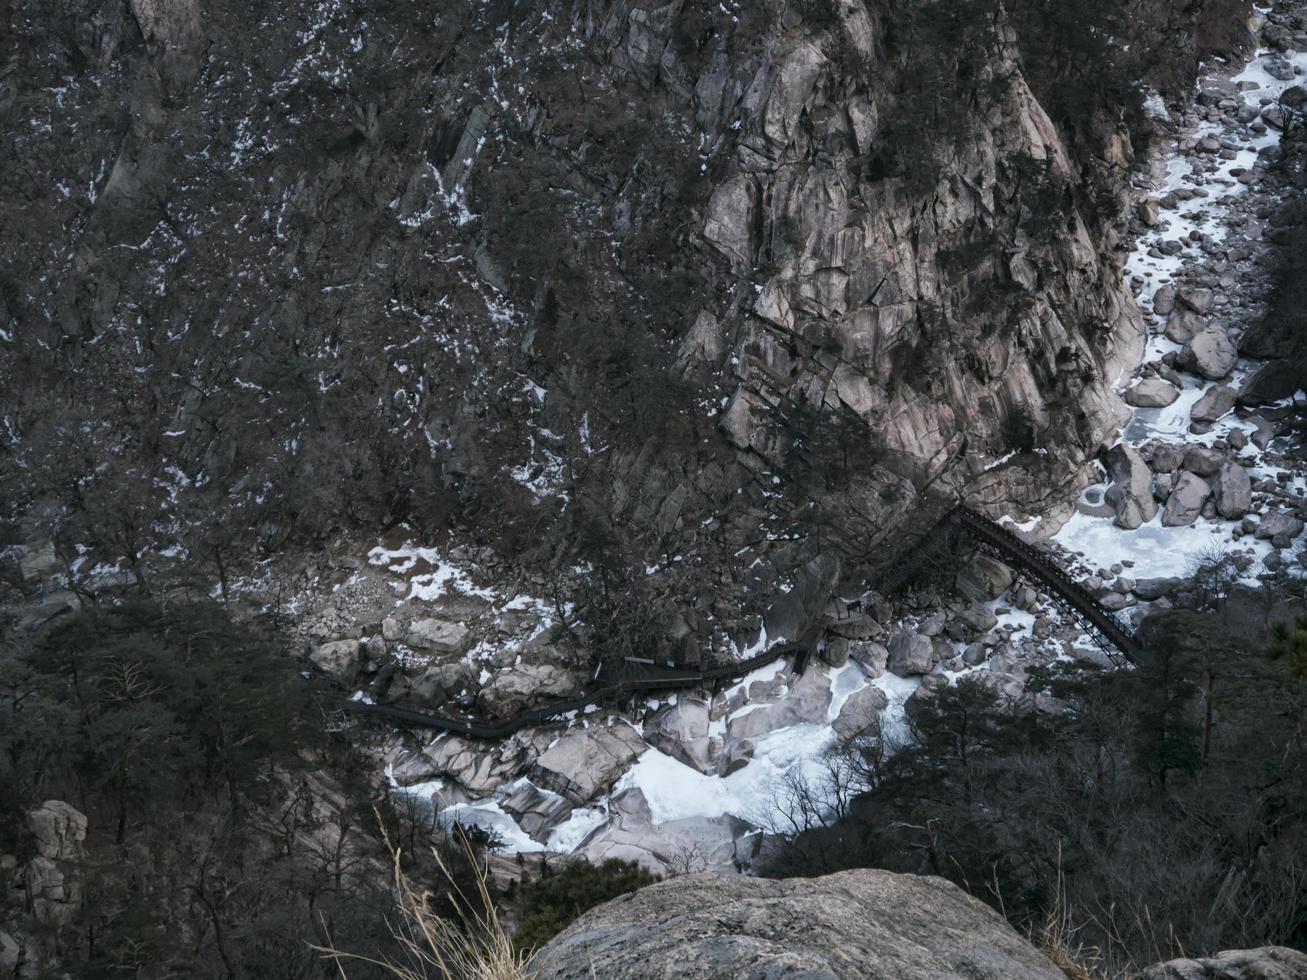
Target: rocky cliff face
pixel 676 274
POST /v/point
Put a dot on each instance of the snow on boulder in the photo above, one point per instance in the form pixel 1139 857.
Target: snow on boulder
pixel 910 654
pixel 1186 500
pixel 1131 493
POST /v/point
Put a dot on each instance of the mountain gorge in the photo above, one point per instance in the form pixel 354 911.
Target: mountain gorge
pixel 432 265
pixel 562 409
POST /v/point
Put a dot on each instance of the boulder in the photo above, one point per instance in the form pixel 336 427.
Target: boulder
pixel 1131 493
pixel 681 730
pixel 1203 460
pixel 1165 457
pixel 1233 491
pixel 1183 325
pixel 39 562
pixel 1164 300
pixel 584 763
pixel 978 618
pixel 1210 354
pixel 872 925
pixel 806 702
pixel 1196 298
pixel 59 829
pixel 834 651
pixel 52 894
pixel 1149 589
pixel 860 713
pixel 1277 523
pixel 536 811
pixel 440 682
pixel 478 767
pixel 511 690
pixel 910 654
pixel 983 579
pixel 1151 393
pixel 1262 963
pixel 438 636
pixel 1216 401
pixel 871 657
pixel 338 659
pixel 790 614
pixel 1186 500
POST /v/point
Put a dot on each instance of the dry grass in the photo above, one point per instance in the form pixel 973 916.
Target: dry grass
pixel 472 946
pixel 1057 937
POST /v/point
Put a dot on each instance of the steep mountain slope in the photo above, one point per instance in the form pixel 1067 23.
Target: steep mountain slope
pixel 671 296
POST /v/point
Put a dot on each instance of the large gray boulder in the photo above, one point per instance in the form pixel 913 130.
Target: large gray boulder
pixel 1210 353
pixel 1131 492
pixel 1183 325
pixel 438 636
pixel 860 713
pixel 1216 401
pixel 59 829
pixel 910 654
pixel 515 688
pixel 1277 523
pixel 1197 298
pixel 983 578
pixel 584 763
pixel 1234 491
pixel 790 614
pixel 1151 393
pixel 805 703
pixel 681 730
pixel 854 925
pixel 338 659
pixel 1262 963
pixel 1186 500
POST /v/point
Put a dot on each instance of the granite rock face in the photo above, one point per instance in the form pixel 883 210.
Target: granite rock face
pixel 854 925
pixel 1262 963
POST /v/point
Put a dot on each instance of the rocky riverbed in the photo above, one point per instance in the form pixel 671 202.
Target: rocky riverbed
pixel 1206 467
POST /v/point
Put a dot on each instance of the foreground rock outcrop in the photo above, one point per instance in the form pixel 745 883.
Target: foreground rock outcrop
pixel 1263 963
pixel 864 924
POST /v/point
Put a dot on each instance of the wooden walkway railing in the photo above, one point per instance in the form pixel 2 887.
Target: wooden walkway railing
pixel 633 676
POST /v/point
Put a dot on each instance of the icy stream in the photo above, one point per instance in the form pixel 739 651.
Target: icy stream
pixel 1157 550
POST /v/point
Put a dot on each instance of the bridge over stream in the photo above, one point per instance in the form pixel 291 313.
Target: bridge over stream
pixel 960 525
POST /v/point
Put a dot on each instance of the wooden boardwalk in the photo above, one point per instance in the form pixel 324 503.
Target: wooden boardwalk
pixel 610 685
